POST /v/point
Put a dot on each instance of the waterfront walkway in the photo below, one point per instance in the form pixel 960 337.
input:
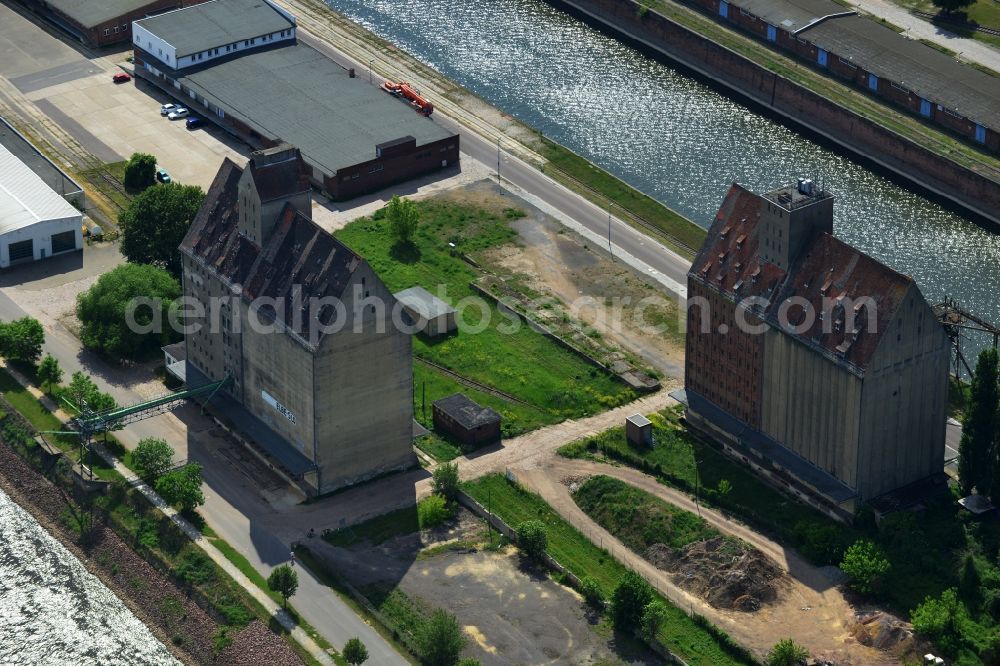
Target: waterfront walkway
pixel 915 27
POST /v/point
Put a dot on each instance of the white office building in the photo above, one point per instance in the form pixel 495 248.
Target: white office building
pixel 35 221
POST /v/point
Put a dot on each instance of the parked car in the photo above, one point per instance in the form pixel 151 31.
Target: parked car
pixel 162 176
pixel 194 121
pixel 121 77
pixel 168 108
pixel 178 113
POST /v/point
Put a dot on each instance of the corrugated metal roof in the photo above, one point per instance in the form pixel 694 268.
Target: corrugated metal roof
pixel 25 199
pixel 216 23
pixel 424 302
pixel 90 13
pixel 298 94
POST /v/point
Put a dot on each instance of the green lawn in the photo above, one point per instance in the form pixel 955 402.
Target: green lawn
pixel 378 529
pixel 637 518
pixel 984 12
pixel 682 634
pixel 686 462
pixel 523 363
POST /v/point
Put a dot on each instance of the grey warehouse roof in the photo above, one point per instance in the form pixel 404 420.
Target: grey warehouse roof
pixel 423 302
pixel 215 23
pixel 933 75
pixel 25 199
pixel 466 412
pixel 296 93
pixel 90 13
pixel 929 73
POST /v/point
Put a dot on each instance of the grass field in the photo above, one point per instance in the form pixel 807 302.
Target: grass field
pixel 573 550
pixel 684 461
pixel 984 12
pixel 523 363
pixel 637 518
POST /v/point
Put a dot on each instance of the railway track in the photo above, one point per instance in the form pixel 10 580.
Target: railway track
pixel 473 384
pixel 958 25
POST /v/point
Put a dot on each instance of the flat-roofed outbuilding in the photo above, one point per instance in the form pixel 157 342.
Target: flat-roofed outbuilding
pixel 102 22
pixel 467 421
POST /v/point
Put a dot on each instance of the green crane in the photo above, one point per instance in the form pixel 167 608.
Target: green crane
pixel 89 423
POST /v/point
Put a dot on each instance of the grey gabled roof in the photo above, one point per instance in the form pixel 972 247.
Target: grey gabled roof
pixel 423 302
pixel 310 102
pixel 935 76
pixel 216 23
pixel 468 413
pixel 91 13
pixel 927 72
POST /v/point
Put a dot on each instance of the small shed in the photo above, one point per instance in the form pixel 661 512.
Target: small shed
pixel 468 422
pixel 426 312
pixel 639 431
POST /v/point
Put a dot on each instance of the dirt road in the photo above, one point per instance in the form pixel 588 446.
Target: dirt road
pixel 810 608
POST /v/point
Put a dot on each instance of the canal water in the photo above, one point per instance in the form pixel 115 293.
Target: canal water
pixel 673 137
pixel 54 612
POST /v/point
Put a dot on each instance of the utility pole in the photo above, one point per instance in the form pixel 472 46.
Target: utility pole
pixel 499 182
pixel 370 63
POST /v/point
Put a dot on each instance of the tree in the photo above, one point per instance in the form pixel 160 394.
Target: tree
pixel 980 426
pixel 432 511
pixel 354 652
pixel 970 586
pixel 532 538
pixel 22 340
pixel 403 218
pixel 943 620
pixel 865 564
pixel 182 487
pixel 445 481
pixel 140 172
pixel 591 591
pixel 653 617
pixel 952 6
pixel 285 582
pixel 787 652
pixel 49 372
pixel 440 639
pixel 125 313
pixel 82 389
pixel 155 222
pixel 629 600
pixel 152 457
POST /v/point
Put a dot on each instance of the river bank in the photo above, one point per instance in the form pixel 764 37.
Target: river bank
pixel 190 632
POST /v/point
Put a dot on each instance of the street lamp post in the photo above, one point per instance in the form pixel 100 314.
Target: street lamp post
pixel 610 249
pixel 370 64
pixel 498 161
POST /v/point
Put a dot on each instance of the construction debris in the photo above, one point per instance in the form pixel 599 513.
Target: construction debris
pixel 724 571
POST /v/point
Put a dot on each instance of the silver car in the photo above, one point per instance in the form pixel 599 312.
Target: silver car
pixel 178 113
pixel 166 109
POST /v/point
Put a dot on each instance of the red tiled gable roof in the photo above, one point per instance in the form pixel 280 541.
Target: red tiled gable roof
pixel 846 278
pixel 728 262
pixel 298 252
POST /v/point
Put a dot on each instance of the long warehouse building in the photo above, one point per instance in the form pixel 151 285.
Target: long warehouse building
pixel 239 63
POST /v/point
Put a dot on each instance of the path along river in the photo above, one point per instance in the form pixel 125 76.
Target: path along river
pixel 673 137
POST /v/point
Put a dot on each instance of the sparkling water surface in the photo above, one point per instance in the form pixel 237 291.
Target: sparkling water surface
pixel 55 612
pixel 673 137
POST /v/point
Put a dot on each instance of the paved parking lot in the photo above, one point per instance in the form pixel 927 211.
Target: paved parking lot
pixel 111 121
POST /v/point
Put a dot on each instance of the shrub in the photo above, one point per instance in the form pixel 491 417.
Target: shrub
pixel 432 511
pixel 787 652
pixel 591 591
pixel 820 543
pixel 653 616
pixel 354 652
pixel 865 564
pixel 440 639
pixel 629 600
pixel 195 568
pixel 532 538
pixel 182 487
pixel 445 481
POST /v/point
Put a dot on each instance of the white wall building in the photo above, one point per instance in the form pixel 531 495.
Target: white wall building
pixel 35 221
pixel 200 33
